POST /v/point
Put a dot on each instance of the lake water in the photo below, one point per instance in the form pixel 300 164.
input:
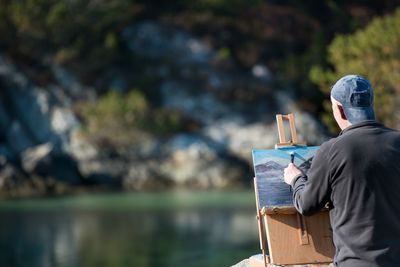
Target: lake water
pixel 191 229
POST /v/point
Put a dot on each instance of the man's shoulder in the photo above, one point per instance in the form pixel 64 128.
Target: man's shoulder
pixel 332 146
pixel 335 143
pixel 329 144
pixel 347 140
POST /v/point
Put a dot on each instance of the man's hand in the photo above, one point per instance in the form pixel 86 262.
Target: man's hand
pixel 290 173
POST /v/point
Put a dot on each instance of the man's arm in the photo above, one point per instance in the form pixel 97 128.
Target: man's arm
pixel 312 191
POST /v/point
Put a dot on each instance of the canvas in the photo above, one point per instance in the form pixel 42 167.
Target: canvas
pixel 268 167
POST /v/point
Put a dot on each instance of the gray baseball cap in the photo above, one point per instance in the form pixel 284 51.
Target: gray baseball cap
pixel 356 95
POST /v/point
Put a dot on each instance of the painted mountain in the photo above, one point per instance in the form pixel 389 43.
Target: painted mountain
pixel 268 167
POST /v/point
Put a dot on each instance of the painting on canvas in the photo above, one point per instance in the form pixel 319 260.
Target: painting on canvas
pixel 268 167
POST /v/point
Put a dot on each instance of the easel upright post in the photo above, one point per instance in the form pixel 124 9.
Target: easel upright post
pixel 293 131
pixel 261 229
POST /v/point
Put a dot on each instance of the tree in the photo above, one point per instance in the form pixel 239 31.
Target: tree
pixel 374 53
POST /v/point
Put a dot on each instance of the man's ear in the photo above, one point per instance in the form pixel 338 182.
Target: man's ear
pixel 342 115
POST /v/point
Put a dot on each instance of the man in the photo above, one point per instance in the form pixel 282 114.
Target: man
pixel 358 174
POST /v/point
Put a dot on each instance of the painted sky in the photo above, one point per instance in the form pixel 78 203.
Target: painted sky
pixel 282 155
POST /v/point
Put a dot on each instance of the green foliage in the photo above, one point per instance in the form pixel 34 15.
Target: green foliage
pixel 221 5
pixel 223 53
pixel 64 31
pixel 374 53
pixel 117 120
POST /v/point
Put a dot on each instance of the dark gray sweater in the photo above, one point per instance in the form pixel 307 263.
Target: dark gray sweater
pixel 358 174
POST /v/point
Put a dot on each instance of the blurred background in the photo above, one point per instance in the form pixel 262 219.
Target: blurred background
pixel 126 127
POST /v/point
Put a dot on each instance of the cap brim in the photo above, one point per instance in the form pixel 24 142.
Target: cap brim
pixel 355 115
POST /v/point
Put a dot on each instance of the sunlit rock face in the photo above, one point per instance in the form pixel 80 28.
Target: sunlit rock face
pixel 31 115
pixel 243 263
pixel 35 126
pixel 44 160
pixel 200 162
pixel 233 108
pixel 185 161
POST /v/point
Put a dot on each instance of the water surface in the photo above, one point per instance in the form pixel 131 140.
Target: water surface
pixel 192 229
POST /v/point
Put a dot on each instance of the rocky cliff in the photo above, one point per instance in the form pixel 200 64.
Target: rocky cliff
pixel 43 150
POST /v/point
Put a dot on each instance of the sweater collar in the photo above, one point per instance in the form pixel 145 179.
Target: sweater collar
pixel 361 124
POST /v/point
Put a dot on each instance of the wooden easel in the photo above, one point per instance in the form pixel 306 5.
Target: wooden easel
pixel 282 143
pixel 263 213
pixel 281 131
pixel 303 235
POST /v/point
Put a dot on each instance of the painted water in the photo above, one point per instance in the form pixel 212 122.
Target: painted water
pixel 192 229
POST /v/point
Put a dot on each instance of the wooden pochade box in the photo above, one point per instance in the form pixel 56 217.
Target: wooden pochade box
pixel 296 239
pixel 290 237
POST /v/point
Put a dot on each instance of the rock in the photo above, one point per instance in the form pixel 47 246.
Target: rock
pixel 70 84
pixel 184 146
pixel 25 110
pixel 186 160
pixel 197 162
pixel 32 156
pixel 113 167
pixel 30 108
pixel 261 71
pixel 5 120
pixel 80 148
pixel 17 138
pixel 241 138
pixel 44 161
pixel 145 176
pixel 63 121
pixel 10 176
pixel 247 263
pixel 204 174
pixel 6 153
pixel 34 115
pixel 243 263
pixel 36 124
pixel 156 41
pixel 136 169
pixel 176 96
